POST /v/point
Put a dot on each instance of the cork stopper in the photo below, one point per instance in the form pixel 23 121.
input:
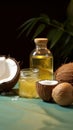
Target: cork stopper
pixel 41 40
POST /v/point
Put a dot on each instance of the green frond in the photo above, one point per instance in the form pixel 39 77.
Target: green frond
pixel 39 29
pixel 54 35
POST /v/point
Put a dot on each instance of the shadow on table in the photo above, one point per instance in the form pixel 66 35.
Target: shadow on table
pixel 12 92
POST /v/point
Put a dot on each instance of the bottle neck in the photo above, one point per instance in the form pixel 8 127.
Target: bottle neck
pixel 41 46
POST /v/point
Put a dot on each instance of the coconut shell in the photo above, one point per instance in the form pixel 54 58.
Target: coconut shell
pixel 65 73
pixel 7 86
pixel 45 90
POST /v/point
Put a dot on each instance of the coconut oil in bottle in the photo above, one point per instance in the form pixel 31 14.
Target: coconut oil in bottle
pixel 42 59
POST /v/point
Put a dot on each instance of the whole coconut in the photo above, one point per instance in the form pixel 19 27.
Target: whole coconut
pixel 63 94
pixel 65 73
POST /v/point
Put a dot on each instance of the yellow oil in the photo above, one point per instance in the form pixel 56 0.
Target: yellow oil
pixel 44 64
pixel 27 84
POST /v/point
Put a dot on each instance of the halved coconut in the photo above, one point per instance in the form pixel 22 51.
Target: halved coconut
pixel 44 89
pixel 9 73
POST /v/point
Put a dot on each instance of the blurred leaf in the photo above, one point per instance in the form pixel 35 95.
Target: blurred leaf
pixel 24 29
pixel 68 26
pixel 39 29
pixel 67 40
pixel 68 48
pixel 27 23
pixel 51 34
pixel 31 27
pixel 44 18
pixel 57 23
pixel 54 35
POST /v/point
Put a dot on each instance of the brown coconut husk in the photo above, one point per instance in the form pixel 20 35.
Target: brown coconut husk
pixel 63 94
pixel 65 73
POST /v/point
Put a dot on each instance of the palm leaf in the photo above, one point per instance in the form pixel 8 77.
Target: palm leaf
pixel 44 18
pixel 39 29
pixel 31 27
pixel 24 29
pixel 54 35
pixel 26 23
pixel 67 40
pixel 68 48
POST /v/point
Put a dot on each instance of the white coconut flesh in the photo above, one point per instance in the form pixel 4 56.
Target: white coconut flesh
pixel 48 82
pixel 8 69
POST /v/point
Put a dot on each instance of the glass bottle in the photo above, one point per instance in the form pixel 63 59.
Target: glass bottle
pixel 42 59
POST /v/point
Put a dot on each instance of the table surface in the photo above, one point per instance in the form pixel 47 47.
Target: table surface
pixel 33 114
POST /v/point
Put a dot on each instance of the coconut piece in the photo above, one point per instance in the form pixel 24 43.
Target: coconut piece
pixel 44 89
pixel 63 94
pixel 65 73
pixel 9 73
